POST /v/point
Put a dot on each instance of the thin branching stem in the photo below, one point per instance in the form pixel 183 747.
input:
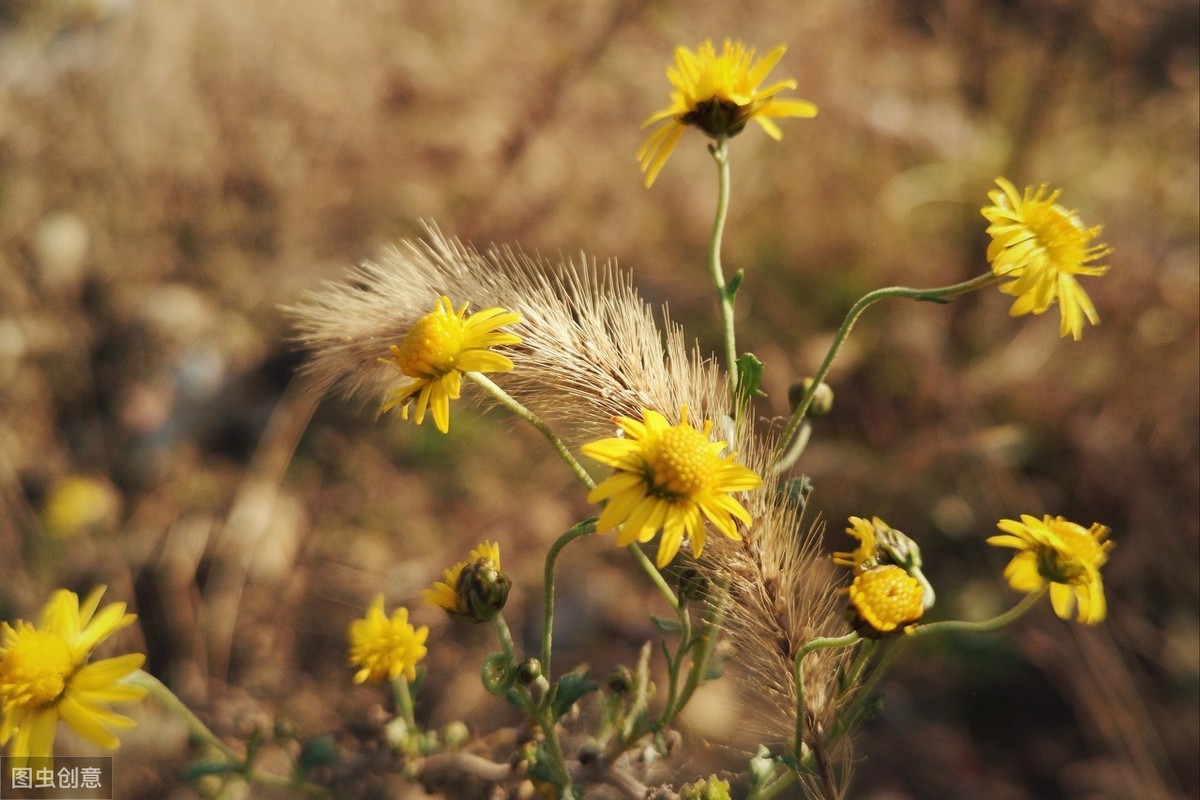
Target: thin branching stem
pixel 811 646
pixel 940 294
pixel 720 154
pixel 588 526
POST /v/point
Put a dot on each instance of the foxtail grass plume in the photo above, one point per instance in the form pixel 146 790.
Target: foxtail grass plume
pixel 46 676
pixel 669 478
pixel 441 346
pixel 1063 554
pixel 718 94
pixel 590 348
pixel 1042 247
pixel 385 648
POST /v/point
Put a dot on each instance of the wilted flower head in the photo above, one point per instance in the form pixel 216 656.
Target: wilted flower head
pixel 1042 246
pixel 475 589
pixel 718 94
pixel 1063 554
pixel 385 648
pixel 45 676
pixel 669 478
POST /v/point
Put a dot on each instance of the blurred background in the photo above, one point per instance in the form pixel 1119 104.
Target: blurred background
pixel 172 172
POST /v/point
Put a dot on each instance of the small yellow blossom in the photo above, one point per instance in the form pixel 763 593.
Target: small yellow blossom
pixel 385 648
pixel 1063 554
pixel 441 346
pixel 45 676
pixel 863 556
pixel 718 94
pixel 885 599
pixel 668 478
pixel 1042 247
pixel 478 596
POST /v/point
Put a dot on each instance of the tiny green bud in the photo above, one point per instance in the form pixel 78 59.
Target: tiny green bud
pixel 529 671
pixel 619 680
pixel 456 734
pixel 712 789
pixel 590 751
pixel 822 402
pixel 482 590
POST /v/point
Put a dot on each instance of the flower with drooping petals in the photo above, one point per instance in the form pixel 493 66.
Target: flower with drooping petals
pixel 1065 555
pixel 384 648
pixel 441 346
pixel 45 676
pixel 475 589
pixel 1042 246
pixel 718 94
pixel 669 478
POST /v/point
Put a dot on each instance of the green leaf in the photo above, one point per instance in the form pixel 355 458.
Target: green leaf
pixel 666 625
pixel 541 766
pixel 318 752
pixel 570 688
pixel 735 283
pixel 749 376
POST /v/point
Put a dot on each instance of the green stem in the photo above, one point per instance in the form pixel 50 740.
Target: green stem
pixel 655 576
pixel 708 643
pixel 505 399
pixel 866 301
pixel 505 636
pixel 811 646
pixel 720 154
pixel 584 528
pixel 685 644
pixel 404 701
pixel 777 785
pixel 849 717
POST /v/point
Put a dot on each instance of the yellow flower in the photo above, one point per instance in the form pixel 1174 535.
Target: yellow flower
pixel 884 599
pixel 45 676
pixel 478 596
pixel 441 346
pixel 1063 554
pixel 718 94
pixel 666 477
pixel 1042 246
pixel 383 648
pixel 863 556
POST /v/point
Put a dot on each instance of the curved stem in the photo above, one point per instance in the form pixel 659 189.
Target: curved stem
pixel 720 154
pixel 655 577
pixel 505 399
pixel 505 636
pixel 174 705
pixel 584 528
pixel 866 301
pixel 811 646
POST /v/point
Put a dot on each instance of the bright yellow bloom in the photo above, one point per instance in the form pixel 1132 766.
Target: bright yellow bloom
pixel 718 94
pixel 45 676
pixel 383 648
pixel 441 346
pixel 666 477
pixel 1042 246
pixel 1063 554
pixel 485 590
pixel 863 556
pixel 886 598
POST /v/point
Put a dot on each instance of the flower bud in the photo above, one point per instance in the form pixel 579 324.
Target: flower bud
pixel 529 671
pixel 482 590
pixel 619 680
pixel 822 402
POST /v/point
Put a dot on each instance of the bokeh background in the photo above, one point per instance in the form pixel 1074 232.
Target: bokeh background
pixel 172 172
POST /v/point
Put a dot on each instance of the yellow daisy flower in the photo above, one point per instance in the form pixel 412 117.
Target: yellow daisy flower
pixel 718 94
pixel 1042 246
pixel 478 596
pixel 863 556
pixel 885 599
pixel 385 648
pixel 1066 555
pixel 441 346
pixel 666 477
pixel 45 676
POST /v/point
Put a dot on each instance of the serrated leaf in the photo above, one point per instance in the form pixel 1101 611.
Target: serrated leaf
pixel 666 625
pixel 570 688
pixel 541 768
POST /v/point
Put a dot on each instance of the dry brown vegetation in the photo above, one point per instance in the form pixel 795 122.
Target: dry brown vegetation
pixel 172 172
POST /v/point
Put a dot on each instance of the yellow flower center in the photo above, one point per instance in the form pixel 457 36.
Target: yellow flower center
pixel 34 668
pixel 887 597
pixel 1059 233
pixel 1069 563
pixel 681 463
pixel 432 346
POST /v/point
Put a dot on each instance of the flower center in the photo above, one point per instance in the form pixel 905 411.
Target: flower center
pixel 34 668
pixel 1060 234
pixel 887 597
pixel 431 347
pixel 681 463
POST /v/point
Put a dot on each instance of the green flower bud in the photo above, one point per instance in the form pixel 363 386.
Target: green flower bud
pixel 822 402
pixel 619 680
pixel 529 671
pixel 482 590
